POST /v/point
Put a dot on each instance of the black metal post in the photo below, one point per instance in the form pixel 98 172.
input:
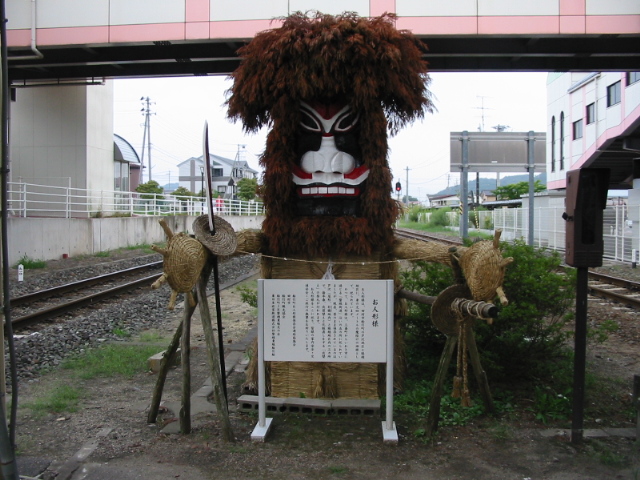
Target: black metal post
pixel 580 349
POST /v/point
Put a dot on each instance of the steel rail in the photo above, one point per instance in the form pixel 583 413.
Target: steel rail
pixel 618 297
pixel 62 308
pixel 73 286
pixel 618 282
pixel 401 232
pixel 625 299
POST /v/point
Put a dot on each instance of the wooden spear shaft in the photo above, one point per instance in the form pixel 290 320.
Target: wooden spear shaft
pixel 214 363
pixel 185 348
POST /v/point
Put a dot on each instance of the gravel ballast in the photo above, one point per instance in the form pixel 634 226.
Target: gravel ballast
pixel 51 344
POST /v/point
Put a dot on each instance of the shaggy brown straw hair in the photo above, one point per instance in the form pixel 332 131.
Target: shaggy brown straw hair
pixel 367 62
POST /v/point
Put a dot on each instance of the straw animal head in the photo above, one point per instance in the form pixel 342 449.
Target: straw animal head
pixel 484 268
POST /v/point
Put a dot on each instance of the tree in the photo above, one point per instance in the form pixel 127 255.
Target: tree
pixel 181 193
pixel 151 187
pixel 247 188
pixel 516 190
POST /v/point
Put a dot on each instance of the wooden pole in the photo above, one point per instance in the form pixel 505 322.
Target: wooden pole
pixel 436 392
pixel 636 398
pixel 481 375
pixel 162 374
pixel 214 363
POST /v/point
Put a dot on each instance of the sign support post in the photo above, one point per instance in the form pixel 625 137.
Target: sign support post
pixel 264 424
pixel 348 321
pixel 389 432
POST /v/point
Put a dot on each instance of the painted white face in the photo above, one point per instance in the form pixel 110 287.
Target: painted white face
pixel 328 167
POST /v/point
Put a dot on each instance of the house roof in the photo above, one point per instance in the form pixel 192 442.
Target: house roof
pixel 441 197
pixel 503 203
pixel 217 160
pixel 123 151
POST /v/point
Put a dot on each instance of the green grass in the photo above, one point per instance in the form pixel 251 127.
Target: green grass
pixel 425 227
pixel 120 332
pixel 30 263
pixel 143 246
pixel 606 455
pixel 62 398
pixel 337 470
pixel 151 336
pixel 111 360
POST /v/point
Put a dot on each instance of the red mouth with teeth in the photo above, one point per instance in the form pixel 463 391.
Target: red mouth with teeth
pixel 320 184
pixel 328 191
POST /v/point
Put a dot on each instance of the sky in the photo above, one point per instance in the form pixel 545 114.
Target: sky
pixel 464 101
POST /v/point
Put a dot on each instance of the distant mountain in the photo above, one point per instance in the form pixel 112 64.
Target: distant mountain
pixel 170 187
pixel 490 183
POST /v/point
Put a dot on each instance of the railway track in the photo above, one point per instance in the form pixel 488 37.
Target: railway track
pixel 428 237
pixel 50 303
pixel 615 289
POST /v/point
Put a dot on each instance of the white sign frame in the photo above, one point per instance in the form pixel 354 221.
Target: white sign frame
pixel 378 329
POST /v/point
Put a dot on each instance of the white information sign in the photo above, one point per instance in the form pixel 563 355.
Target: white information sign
pixel 326 320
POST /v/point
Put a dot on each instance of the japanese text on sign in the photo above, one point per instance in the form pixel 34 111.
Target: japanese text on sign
pixel 325 320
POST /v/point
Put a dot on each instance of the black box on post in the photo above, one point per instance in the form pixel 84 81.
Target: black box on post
pixel 586 200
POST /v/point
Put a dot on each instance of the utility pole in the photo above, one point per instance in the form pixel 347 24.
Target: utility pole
pixel 8 464
pixel 236 168
pixel 482 108
pixel 146 111
pixel 406 188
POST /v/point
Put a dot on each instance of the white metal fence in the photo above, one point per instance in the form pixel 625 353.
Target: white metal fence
pixel 32 200
pixel 621 236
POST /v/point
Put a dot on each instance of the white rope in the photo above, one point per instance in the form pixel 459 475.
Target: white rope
pixel 328 275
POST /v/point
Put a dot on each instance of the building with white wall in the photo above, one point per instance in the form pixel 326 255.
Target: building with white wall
pixel 593 120
pixel 63 136
pixel 225 174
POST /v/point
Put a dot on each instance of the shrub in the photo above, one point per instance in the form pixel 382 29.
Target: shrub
pixel 248 295
pixel 527 338
pixel 414 213
pixel 439 217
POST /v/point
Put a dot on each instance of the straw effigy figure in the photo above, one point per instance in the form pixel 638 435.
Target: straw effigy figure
pixel 330 88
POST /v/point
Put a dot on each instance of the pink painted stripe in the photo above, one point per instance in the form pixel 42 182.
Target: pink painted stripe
pixel 610 134
pixel 613 24
pixel 573 25
pixel 573 7
pixel 197 10
pixel 378 7
pixel 18 38
pixel 72 35
pixel 240 29
pixel 146 33
pixel 557 184
pixel 196 30
pixel 439 25
pixel 518 25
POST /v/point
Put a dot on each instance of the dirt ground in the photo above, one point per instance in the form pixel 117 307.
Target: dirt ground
pixel 112 419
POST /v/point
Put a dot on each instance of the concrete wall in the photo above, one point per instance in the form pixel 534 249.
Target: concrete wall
pixel 63 136
pixel 50 238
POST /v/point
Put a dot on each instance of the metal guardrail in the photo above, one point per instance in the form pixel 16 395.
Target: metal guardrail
pixel 621 234
pixel 32 200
